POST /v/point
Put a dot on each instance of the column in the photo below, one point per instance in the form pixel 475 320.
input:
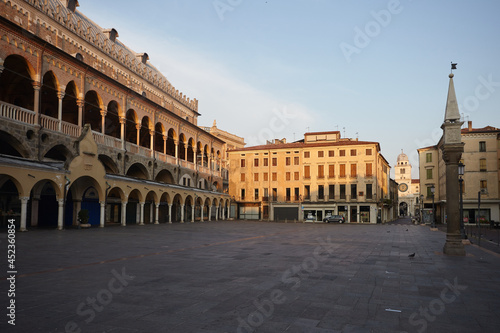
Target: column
pixel 80 103
pixel 192 212
pixel 157 210
pixel 34 211
pixel 60 96
pixel 186 151
pixel 60 210
pixel 176 143
pixel 151 216
pixel 182 213
pixel 141 218
pixel 217 213
pixel 124 213
pixel 201 212
pixel 165 144
pixel 223 211
pixel 103 214
pixel 202 156
pixel 123 121
pixel 36 98
pixel 151 142
pixel 170 213
pixel 138 127
pixel 24 210
pixel 103 120
pixel 210 213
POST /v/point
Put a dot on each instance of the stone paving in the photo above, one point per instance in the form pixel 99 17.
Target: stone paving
pixel 249 277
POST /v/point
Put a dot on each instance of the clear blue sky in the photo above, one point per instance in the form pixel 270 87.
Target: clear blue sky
pixel 280 68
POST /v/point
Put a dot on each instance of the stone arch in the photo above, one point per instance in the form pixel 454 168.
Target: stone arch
pixel 114 207
pixel 158 139
pixel 16 82
pixel 49 101
pixel 109 164
pixel 44 197
pixel 12 146
pixel 170 145
pixel 177 206
pixel 135 197
pixel 149 207
pixel 165 176
pixel 112 120
pixel 131 126
pixel 10 193
pixel 138 170
pixel 145 135
pixel 59 152
pixel 69 103
pixel 187 180
pixel 191 151
pixel 92 110
pixel 182 146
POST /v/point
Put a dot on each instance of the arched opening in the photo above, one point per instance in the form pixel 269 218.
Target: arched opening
pixel 133 207
pixel 16 85
pixel 190 152
pixel 112 121
pixel 145 136
pixel 171 142
pixel 149 208
pixel 205 156
pixel 11 146
pixel 109 164
pixel 114 206
pixel 69 104
pixel 403 209
pixel 163 216
pixel 165 176
pixel 58 153
pixel 138 170
pixel 159 132
pixel 182 147
pixel 47 211
pixel 176 208
pixel 131 127
pixel 49 102
pixel 10 205
pixel 83 194
pixel 92 111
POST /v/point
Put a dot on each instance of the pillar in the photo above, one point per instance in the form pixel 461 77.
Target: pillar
pixel 186 151
pixel 157 211
pixel 151 216
pixel 60 210
pixel 170 213
pixel 34 211
pixel 210 213
pixel 60 96
pixel 36 96
pixel 152 142
pixel 141 217
pixel 103 120
pixel 103 214
pixel 138 127
pixel 80 103
pixel 223 211
pixel 124 213
pixel 24 211
pixel 182 213
pixel 192 212
pixel 123 121
pixel 176 144
pixel 201 212
pixel 165 144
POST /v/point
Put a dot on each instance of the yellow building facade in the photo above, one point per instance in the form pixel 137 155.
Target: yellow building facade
pixel 321 175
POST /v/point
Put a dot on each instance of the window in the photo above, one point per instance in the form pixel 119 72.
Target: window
pixel 321 192
pixel 307 192
pixel 307 171
pixel 354 191
pixel 429 173
pixel 275 176
pixel 369 171
pixel 256 162
pixel 483 185
pixel 256 194
pixel 353 152
pixel 368 151
pixel 321 171
pixel 275 161
pixel 296 160
pixel 287 161
pixel 242 177
pixel 342 191
pixel 287 194
pixel 354 170
pixel 275 194
pixel 429 192
pixel 307 154
pixel 242 194
pixel 242 162
pixel 266 176
pixel 342 152
pixel 320 153
pixel 428 157
pixel 287 176
pixel 331 171
pixel 482 146
pixel 296 175
pixel 331 192
pixel 403 171
pixel 266 162
pixel 256 177
pixel 369 191
pixel 331 153
pixel 342 170
pixel 482 164
pixel 297 195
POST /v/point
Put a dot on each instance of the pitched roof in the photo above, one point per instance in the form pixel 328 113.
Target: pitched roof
pixel 308 145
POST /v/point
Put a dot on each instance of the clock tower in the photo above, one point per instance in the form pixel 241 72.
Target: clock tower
pixel 406 190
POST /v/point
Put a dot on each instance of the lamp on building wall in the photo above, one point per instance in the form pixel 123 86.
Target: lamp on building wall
pixel 461 171
pixel 433 190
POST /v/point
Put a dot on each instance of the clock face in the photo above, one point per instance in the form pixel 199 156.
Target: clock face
pixel 403 187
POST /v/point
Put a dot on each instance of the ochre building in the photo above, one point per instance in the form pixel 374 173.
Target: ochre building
pixel 321 175
pixel 87 123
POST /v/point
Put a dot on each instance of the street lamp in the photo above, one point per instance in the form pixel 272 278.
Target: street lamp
pixel 461 170
pixel 433 190
pixel 421 208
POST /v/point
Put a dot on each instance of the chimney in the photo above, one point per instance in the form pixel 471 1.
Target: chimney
pixel 72 4
pixel 469 123
pixel 111 34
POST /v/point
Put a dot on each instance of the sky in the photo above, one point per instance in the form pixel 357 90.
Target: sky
pixel 373 70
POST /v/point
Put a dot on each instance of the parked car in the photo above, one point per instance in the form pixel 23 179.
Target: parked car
pixel 334 218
